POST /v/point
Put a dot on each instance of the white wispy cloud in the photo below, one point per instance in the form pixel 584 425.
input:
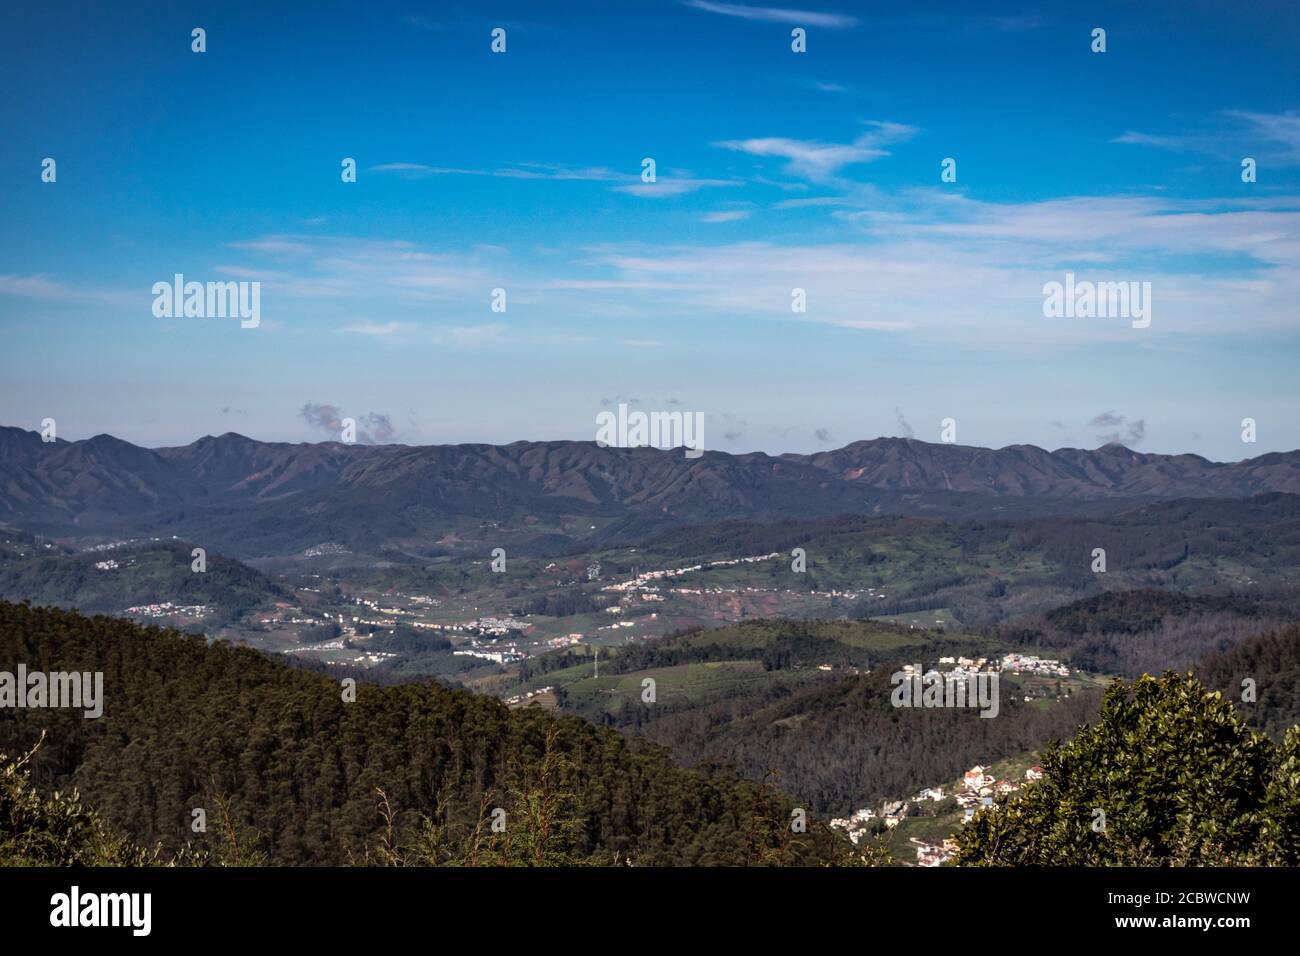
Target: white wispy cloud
pixel 923 263
pixel 348 269
pixel 834 21
pixel 668 184
pixel 1162 141
pixel 276 244
pixel 543 171
pixel 974 271
pixel 254 275
pixel 417 168
pixel 811 201
pixel 41 287
pixel 725 215
pixel 33 286
pixel 1282 129
pixel 1231 134
pixel 819 161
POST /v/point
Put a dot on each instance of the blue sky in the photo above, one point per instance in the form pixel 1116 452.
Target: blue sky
pixel 775 170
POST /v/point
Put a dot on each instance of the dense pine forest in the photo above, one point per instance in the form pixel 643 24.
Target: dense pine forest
pixel 1147 631
pixel 287 772
pixel 1270 662
pixel 284 766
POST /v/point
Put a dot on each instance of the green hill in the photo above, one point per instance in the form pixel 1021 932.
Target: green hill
pixel 812 700
pixel 112 581
pixel 301 776
pixel 1271 662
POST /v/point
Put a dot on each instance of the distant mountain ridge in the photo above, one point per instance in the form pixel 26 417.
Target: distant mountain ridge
pixel 274 497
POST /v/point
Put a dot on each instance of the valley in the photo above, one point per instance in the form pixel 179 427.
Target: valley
pixel 759 648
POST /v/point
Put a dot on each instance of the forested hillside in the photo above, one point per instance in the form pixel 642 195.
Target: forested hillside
pixel 277 759
pixel 755 696
pixel 844 746
pixel 1271 663
pixel 1148 631
pixel 130 576
pixel 988 572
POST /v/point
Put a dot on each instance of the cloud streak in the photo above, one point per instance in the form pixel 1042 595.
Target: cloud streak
pixel 672 184
pixel 1233 134
pixel 805 18
pixel 820 161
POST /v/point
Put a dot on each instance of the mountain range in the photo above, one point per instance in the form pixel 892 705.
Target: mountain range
pixel 254 498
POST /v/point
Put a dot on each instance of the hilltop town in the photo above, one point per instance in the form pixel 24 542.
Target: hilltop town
pixel 936 810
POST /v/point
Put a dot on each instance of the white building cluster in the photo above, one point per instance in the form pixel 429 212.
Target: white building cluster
pixel 1030 664
pixel 501 655
pixel 645 577
pixel 529 695
pixel 168 609
pixel 977 790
